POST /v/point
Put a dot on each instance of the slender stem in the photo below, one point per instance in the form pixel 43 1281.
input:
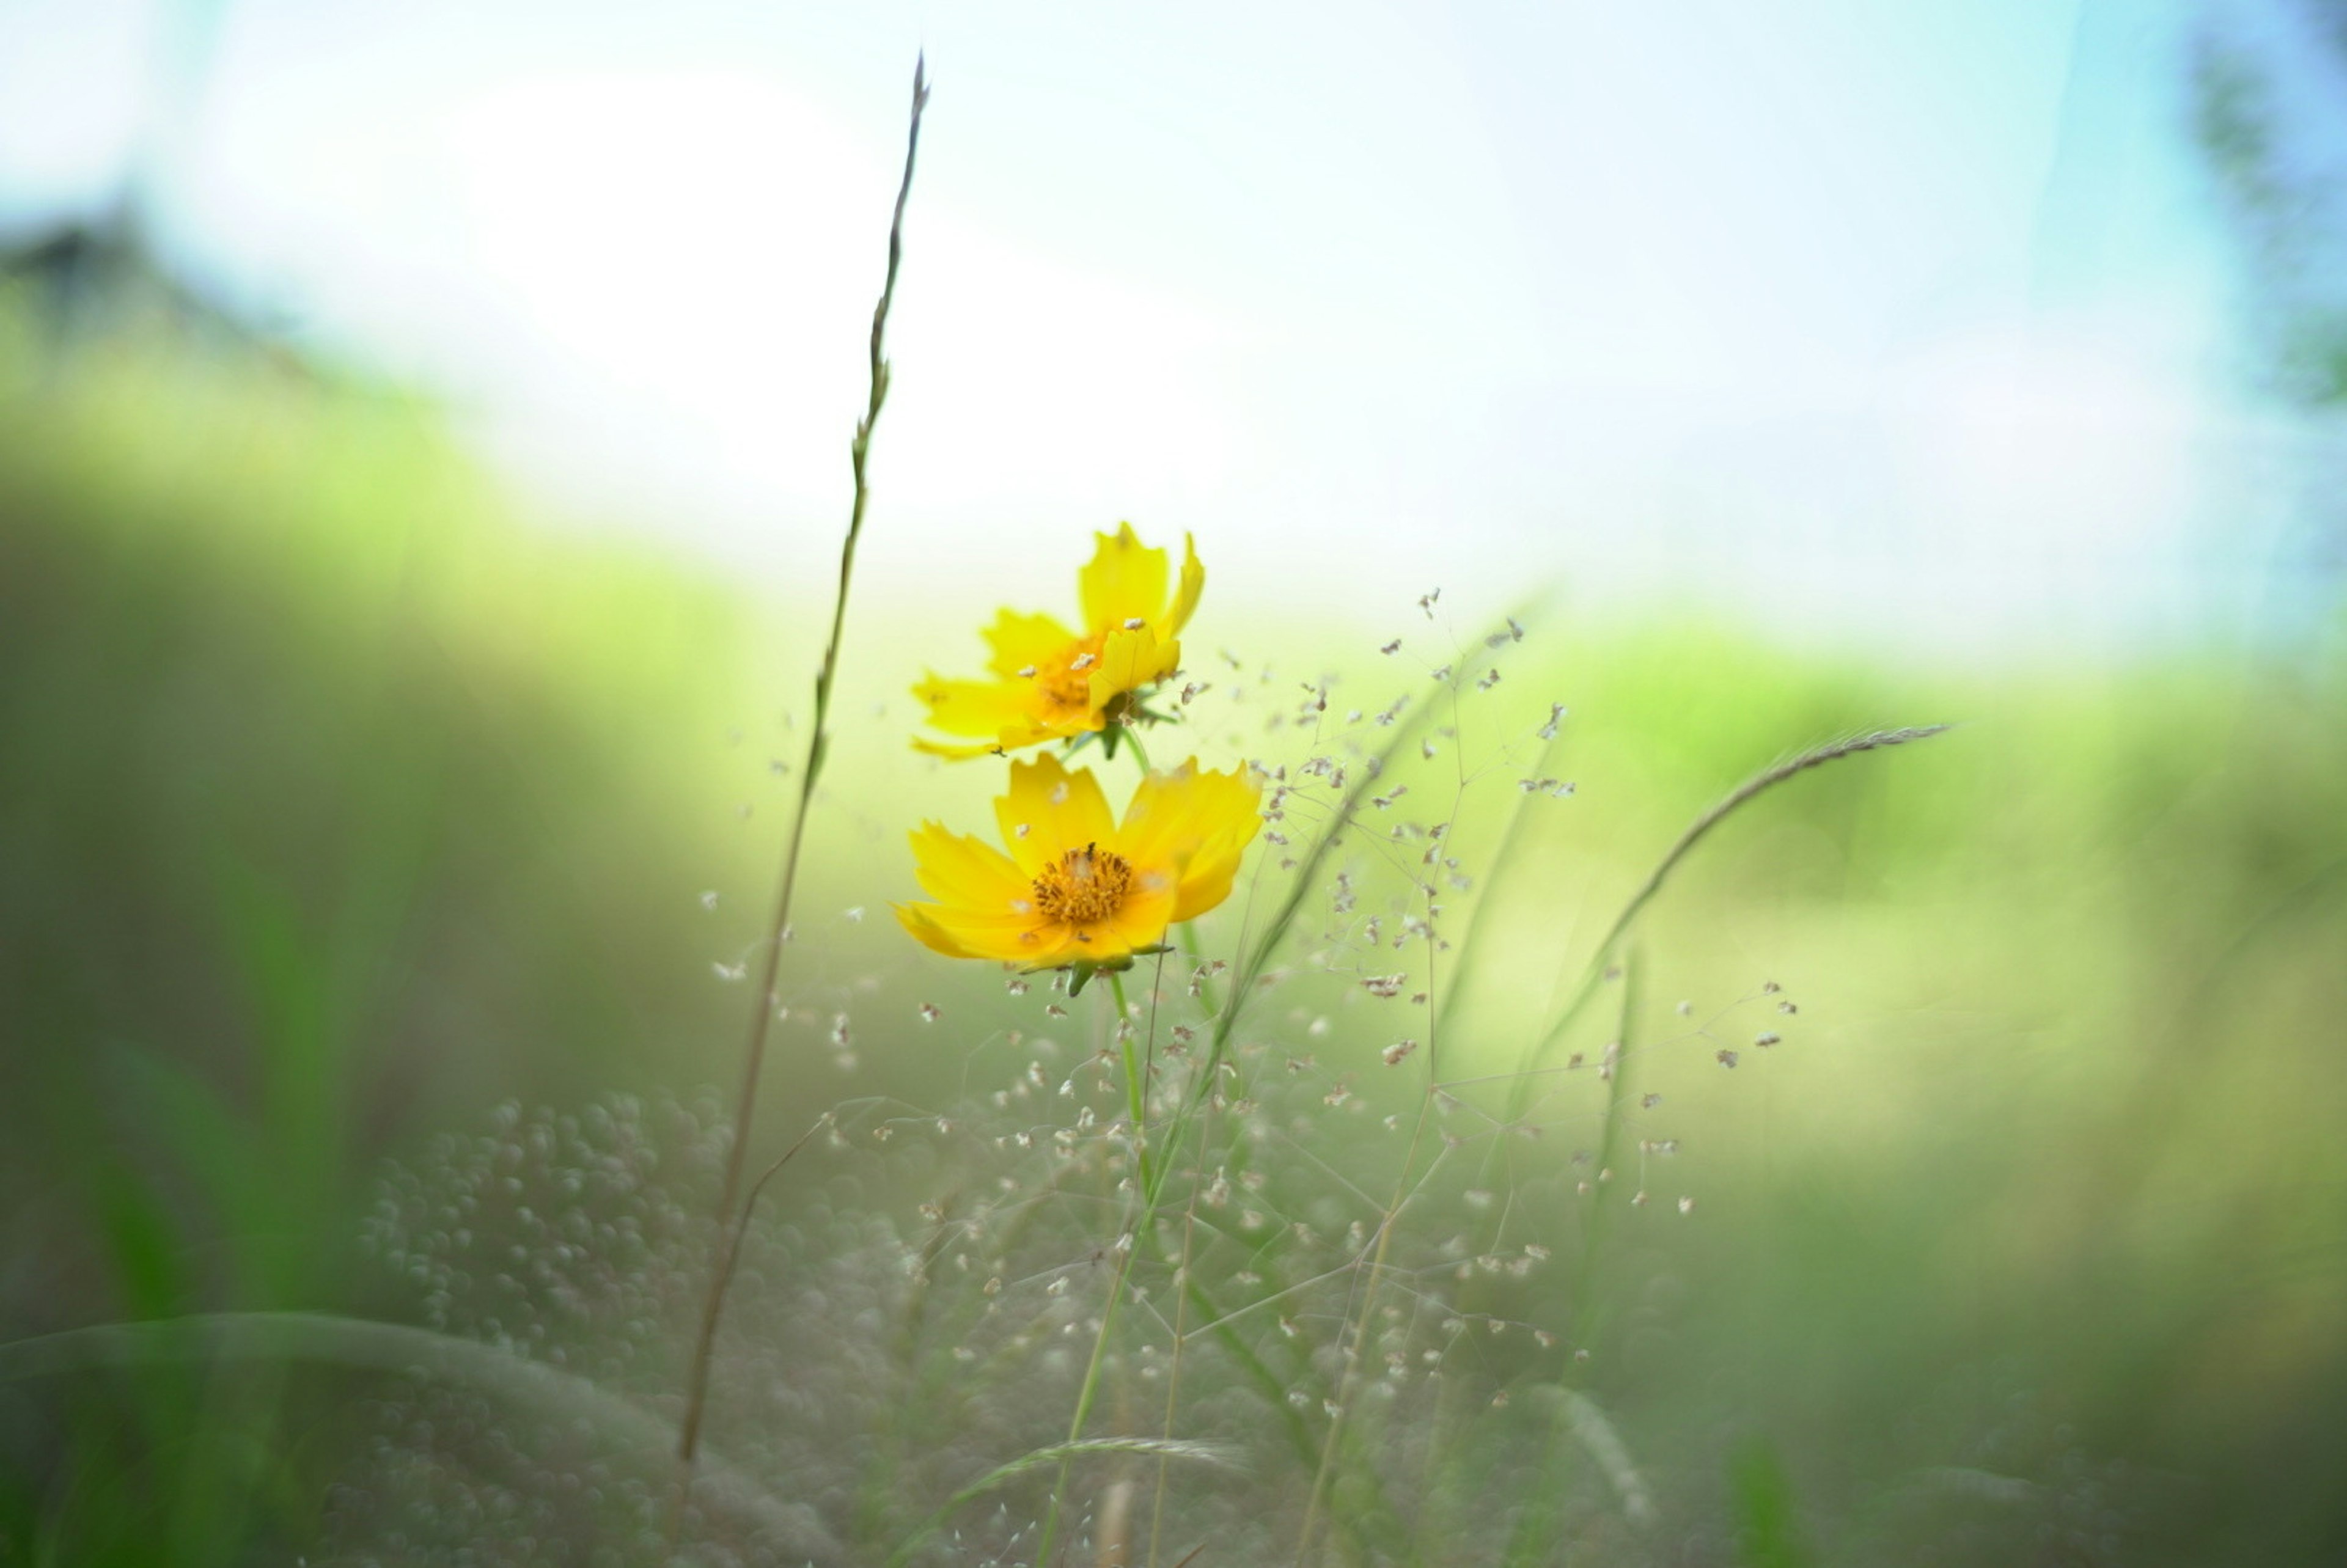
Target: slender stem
pixel 1132 739
pixel 1254 958
pixel 1152 1177
pixel 1616 1068
pixel 731 1212
pixel 1153 1182
pixel 1250 966
pixel 1757 785
pixel 1536 1526
pixel 1506 860
pixel 1348 1377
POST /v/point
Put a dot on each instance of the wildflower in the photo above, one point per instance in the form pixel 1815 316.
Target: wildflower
pixel 1047 683
pixel 1078 887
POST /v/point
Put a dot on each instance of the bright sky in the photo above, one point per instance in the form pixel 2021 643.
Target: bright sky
pixel 1887 320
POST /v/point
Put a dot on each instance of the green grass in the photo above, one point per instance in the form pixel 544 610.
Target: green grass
pixel 340 807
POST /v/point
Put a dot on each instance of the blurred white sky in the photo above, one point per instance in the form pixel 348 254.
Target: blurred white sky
pixel 1888 319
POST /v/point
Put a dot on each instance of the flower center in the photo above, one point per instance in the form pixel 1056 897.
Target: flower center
pixel 1067 681
pixel 1083 886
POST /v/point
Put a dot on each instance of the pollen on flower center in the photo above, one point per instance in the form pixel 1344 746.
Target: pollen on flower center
pixel 1083 886
pixel 1066 679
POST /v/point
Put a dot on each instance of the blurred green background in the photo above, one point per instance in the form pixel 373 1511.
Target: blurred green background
pixel 381 846
pixel 338 804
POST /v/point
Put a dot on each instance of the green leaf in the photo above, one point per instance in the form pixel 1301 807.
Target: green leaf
pixel 1760 1496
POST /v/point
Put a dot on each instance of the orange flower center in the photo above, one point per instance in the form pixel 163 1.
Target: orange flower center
pixel 1083 886
pixel 1067 681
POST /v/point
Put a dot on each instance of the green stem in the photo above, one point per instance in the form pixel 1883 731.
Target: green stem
pixel 1132 739
pixel 1250 966
pixel 1137 1106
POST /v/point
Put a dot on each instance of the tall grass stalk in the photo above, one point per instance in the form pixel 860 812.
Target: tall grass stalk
pixel 1255 957
pixel 1615 1066
pixel 1361 783
pixel 1242 982
pixel 1365 1285
pixel 1537 1525
pixel 1743 794
pixel 731 1212
pixel 1598 967
pixel 1505 859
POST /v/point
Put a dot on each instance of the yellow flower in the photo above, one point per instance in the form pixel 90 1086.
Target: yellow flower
pixel 1050 682
pixel 1079 887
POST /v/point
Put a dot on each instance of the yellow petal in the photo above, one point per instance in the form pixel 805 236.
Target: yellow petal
pixel 1029 731
pixel 967 874
pixel 915 919
pixel 1052 947
pixel 1026 642
pixel 1206 880
pixel 973 707
pixel 956 753
pixel 1174 816
pixel 1058 810
pixel 1130 661
pixel 1125 581
pixel 1147 911
pixel 957 935
pixel 1035 729
pixel 1186 596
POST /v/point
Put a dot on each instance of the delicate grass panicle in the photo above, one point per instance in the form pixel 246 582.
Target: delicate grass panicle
pixel 1249 1253
pixel 1287 1244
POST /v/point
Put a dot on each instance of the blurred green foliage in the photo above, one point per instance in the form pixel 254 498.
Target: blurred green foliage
pixel 314 766
pixel 336 804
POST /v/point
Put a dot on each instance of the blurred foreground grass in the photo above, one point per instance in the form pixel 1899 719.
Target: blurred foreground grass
pixel 337 807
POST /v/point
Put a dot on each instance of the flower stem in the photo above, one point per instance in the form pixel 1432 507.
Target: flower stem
pixel 731 1214
pixel 1136 1089
pixel 1132 739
